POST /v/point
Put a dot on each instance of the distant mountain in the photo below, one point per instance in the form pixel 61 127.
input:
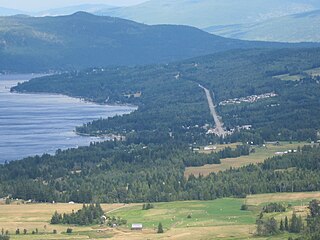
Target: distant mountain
pixel 84 40
pixel 10 12
pixel 303 27
pixel 89 8
pixel 206 13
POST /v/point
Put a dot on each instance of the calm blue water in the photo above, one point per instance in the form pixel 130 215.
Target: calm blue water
pixel 32 124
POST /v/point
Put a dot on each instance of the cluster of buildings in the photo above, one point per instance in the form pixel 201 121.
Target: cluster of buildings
pixel 229 131
pixel 249 99
pixel 286 152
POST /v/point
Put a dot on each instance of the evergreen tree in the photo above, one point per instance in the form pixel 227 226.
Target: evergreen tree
pixel 4 237
pixel 56 218
pixel 260 215
pixel 314 208
pixel 286 224
pixel 271 226
pixel 160 228
pixel 296 224
pixel 267 227
pixel 281 226
pixel 87 215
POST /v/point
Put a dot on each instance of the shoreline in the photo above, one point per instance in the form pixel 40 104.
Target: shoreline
pixel 106 136
pixel 78 98
pixel 39 75
pixel 10 81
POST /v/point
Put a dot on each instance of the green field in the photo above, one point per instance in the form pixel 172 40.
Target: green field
pixel 261 154
pixel 219 212
pixel 315 72
pixel 217 219
pixel 287 77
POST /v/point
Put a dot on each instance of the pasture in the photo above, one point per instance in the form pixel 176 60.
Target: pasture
pixel 260 155
pixel 217 219
pixel 315 72
pixel 288 77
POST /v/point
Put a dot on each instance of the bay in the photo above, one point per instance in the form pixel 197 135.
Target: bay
pixel 34 124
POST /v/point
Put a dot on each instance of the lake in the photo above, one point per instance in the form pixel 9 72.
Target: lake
pixel 33 124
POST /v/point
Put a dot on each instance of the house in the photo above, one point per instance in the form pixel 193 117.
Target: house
pixel 210 148
pixel 103 219
pixel 136 226
pixel 196 149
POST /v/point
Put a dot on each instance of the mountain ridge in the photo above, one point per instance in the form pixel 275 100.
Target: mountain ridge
pixel 83 40
pixel 206 13
pixel 293 28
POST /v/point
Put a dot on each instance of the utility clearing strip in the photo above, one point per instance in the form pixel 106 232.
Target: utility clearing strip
pixel 219 125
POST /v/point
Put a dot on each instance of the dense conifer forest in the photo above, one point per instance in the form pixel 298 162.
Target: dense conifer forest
pixel 171 120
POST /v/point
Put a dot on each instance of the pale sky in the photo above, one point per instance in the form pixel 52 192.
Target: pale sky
pixel 38 5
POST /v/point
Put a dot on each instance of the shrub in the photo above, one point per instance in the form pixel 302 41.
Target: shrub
pixel 4 237
pixel 244 207
pixel 274 207
pixel 160 228
pixel 147 206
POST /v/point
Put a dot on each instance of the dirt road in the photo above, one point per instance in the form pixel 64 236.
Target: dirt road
pixel 219 125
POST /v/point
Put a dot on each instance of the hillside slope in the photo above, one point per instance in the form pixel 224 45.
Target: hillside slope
pixel 83 40
pixel 294 28
pixel 173 115
pixel 205 13
pixel 89 8
pixel 9 11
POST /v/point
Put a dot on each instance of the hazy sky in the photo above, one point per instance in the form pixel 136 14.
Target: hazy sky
pixel 36 5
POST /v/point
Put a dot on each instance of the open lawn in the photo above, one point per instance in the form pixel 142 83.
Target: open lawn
pixel 218 219
pixel 219 212
pixel 314 72
pixel 287 77
pixel 261 154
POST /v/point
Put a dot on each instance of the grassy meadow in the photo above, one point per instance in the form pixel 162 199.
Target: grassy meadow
pixel 288 77
pixel 260 154
pixel 315 72
pixel 217 219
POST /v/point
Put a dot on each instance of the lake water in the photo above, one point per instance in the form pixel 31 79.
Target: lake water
pixel 33 124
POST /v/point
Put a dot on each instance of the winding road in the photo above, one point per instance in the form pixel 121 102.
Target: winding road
pixel 219 125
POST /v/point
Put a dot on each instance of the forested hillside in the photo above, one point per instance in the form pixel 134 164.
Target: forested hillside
pixel 158 139
pixel 82 40
pixel 128 172
pixel 170 99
